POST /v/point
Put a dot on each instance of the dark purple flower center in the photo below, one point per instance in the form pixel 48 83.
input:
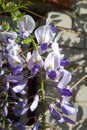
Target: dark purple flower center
pixel 51 74
pixel 44 46
pixel 5 52
pixel 36 69
pixel 65 92
pixel 64 62
pixel 17 70
pixel 53 28
pixel 24 34
pixel 7 40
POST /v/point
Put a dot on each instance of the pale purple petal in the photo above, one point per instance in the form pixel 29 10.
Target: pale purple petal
pixel 35 59
pixel 8 35
pixel 55 114
pixel 36 126
pixel 68 120
pixel 20 86
pixel 1 72
pixel 68 109
pixel 20 108
pixel 14 79
pixel 26 23
pixel 5 113
pixel 20 126
pixel 17 70
pixel 14 60
pixel 44 34
pixel 61 120
pixel 34 104
pixel 66 78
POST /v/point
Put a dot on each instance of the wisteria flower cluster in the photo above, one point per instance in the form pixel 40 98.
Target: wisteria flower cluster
pixel 43 55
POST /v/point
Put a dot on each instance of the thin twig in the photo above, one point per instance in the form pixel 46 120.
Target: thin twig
pixel 77 83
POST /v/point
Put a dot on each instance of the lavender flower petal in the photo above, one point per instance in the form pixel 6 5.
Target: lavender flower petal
pixel 68 120
pixel 20 126
pixel 34 104
pixel 68 109
pixel 17 70
pixel 36 126
pixel 55 114
pixel 20 86
pixel 26 23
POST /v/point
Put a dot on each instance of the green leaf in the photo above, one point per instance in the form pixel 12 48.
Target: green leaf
pixel 11 7
pixel 27 41
pixel 5 25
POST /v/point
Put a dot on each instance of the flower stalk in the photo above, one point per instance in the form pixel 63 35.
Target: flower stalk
pixel 43 104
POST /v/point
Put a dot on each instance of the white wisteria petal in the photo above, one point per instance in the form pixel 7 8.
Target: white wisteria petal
pixel 44 34
pixel 19 87
pixel 13 60
pixel 34 104
pixel 35 58
pixel 51 61
pixel 26 23
pixel 11 34
pixel 66 78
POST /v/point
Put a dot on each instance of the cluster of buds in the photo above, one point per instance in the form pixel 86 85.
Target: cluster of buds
pixel 43 53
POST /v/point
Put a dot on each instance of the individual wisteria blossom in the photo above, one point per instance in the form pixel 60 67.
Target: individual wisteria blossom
pixel 8 37
pixel 67 108
pixel 35 102
pixel 44 37
pixel 63 83
pixel 51 65
pixel 20 108
pixel 26 26
pixel 34 62
pixel 59 117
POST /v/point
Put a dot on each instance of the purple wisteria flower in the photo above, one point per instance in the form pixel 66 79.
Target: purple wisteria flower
pixel 51 65
pixel 44 36
pixel 19 87
pixel 26 26
pixel 8 37
pixel 59 117
pixel 17 69
pixel 14 79
pixel 22 65
pixel 20 108
pixel 34 62
pixel 62 84
pixel 67 108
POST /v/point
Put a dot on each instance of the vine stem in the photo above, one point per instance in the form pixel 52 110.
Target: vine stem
pixel 43 104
